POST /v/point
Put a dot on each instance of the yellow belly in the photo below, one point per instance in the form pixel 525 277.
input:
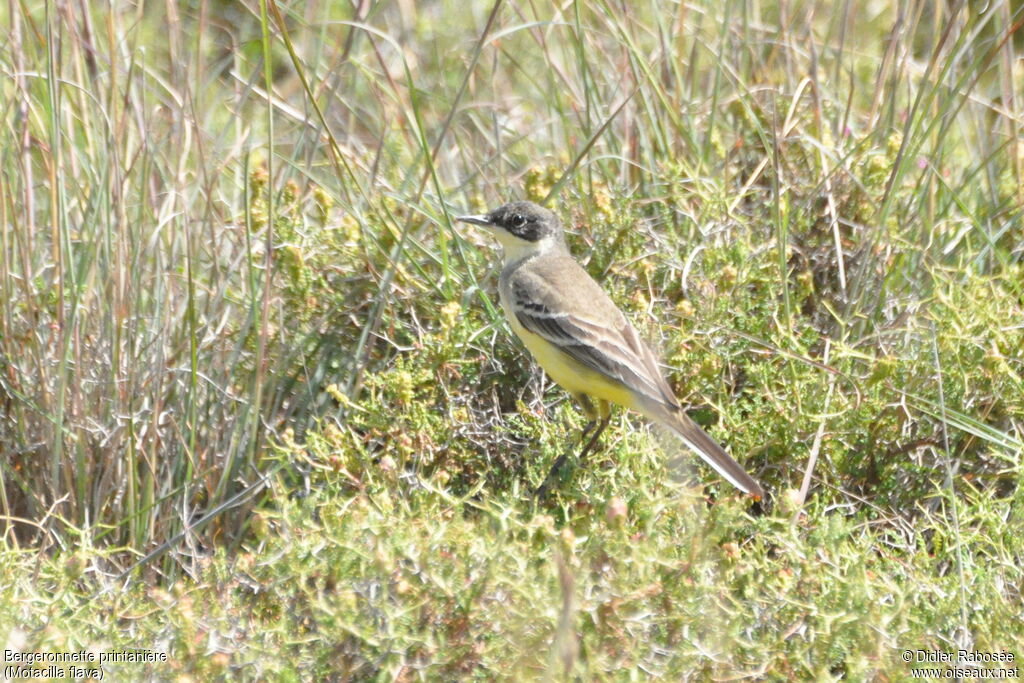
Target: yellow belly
pixel 569 373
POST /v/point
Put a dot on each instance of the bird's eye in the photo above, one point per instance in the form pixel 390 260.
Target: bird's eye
pixel 518 220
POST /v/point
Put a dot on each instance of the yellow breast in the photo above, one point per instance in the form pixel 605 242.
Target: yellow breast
pixel 569 373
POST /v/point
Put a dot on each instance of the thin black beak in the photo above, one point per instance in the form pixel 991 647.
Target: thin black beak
pixel 478 219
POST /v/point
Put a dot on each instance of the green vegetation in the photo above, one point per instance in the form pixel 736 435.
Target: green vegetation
pixel 259 410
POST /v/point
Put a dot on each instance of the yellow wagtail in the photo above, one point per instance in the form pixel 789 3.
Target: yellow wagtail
pixel 582 339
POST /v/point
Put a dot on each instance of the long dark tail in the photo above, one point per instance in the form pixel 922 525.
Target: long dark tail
pixel 704 446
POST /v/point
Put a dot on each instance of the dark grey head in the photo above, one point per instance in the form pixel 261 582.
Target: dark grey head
pixel 525 221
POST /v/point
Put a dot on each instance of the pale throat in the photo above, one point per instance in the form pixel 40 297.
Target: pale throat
pixel 516 249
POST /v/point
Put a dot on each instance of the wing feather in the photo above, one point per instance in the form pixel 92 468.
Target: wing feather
pixel 603 341
pixel 557 300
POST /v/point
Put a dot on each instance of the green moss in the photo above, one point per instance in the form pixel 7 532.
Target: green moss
pixel 811 289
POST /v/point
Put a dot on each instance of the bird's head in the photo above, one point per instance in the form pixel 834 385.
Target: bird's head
pixel 520 226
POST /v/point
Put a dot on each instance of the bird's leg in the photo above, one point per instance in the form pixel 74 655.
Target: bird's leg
pixel 593 414
pixel 590 412
pixel 598 417
pixel 595 436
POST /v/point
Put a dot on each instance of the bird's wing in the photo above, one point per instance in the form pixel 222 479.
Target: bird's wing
pixel 579 319
pixel 572 312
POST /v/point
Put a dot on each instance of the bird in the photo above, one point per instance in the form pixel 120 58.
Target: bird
pixel 582 340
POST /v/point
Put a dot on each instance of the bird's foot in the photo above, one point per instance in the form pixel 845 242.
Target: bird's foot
pixel 542 491
pixel 544 488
